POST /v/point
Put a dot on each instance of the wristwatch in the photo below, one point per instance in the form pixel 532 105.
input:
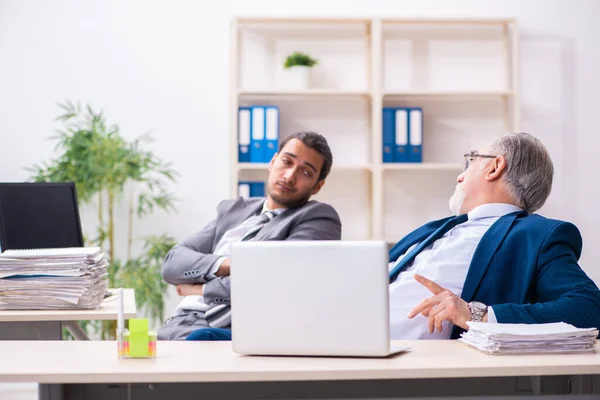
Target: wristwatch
pixel 478 310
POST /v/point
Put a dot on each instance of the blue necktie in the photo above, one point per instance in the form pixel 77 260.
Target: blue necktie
pixel 438 233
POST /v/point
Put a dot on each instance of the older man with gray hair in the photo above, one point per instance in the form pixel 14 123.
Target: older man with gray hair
pixel 494 261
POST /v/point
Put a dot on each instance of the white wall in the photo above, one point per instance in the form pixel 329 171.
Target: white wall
pixel 163 66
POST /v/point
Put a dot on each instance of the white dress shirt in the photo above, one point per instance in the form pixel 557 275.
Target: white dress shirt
pixel 446 262
pixel 234 235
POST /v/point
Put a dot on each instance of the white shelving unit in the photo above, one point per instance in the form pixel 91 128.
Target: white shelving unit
pixel 462 73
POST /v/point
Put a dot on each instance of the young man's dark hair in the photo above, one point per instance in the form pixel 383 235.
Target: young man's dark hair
pixel 316 142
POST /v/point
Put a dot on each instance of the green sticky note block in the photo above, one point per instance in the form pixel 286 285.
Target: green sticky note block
pixel 138 337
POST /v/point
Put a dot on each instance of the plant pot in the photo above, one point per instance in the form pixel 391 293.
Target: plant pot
pixel 297 77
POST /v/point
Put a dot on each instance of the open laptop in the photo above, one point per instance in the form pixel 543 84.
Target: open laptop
pixel 311 298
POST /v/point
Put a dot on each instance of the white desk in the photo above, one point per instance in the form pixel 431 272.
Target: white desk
pixel 106 311
pixel 437 366
pixel 48 324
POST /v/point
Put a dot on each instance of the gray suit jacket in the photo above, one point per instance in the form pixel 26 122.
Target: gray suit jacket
pixel 190 261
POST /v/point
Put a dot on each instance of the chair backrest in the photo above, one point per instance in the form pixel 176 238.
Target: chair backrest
pixel 39 215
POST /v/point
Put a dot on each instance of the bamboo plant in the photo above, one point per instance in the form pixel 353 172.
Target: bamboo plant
pixel 110 172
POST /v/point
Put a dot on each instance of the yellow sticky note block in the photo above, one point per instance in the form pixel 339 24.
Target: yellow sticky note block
pixel 138 337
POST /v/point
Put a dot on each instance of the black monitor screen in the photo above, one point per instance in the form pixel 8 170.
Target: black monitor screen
pixel 39 215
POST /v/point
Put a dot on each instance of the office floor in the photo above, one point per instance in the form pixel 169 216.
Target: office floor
pixel 18 391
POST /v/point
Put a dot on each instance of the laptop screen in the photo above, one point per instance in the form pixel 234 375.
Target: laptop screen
pixel 39 215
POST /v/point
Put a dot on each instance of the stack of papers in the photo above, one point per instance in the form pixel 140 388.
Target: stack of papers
pixel 560 337
pixel 44 279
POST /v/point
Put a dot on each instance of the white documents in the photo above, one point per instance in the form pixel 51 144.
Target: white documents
pixel 560 337
pixel 72 278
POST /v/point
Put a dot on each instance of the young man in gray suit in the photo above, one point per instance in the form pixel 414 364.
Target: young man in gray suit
pixel 199 265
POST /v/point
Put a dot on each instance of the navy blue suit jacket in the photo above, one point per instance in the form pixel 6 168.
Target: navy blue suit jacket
pixel 525 266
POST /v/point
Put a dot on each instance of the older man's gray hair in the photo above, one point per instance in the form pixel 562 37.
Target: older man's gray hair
pixel 529 169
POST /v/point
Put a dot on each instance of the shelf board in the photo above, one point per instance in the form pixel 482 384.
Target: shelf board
pixel 301 93
pixel 301 20
pixel 422 166
pixel 252 166
pixel 448 21
pixel 352 20
pixel 351 168
pixel 384 167
pixel 264 166
pixel 443 94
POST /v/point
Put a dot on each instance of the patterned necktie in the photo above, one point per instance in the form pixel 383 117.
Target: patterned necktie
pixel 438 233
pixel 263 219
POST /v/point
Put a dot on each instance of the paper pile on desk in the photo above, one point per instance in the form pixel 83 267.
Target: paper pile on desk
pixel 560 337
pixel 43 279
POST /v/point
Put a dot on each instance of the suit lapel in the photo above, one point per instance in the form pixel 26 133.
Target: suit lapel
pixel 416 236
pixel 265 230
pixel 273 224
pixel 485 251
pixel 251 207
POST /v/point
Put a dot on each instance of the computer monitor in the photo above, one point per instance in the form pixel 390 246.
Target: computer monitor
pixel 39 215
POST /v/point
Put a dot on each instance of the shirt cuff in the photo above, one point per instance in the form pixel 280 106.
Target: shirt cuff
pixel 214 268
pixel 491 315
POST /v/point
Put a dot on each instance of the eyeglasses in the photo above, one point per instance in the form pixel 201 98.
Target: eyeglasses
pixel 470 157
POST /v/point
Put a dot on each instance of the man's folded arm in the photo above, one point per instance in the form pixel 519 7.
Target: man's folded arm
pixel 565 293
pixel 191 261
pixel 217 290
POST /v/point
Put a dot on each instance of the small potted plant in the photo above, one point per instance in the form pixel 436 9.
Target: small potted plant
pixel 298 66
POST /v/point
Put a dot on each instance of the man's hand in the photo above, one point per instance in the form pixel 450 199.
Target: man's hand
pixel 187 289
pixel 224 268
pixel 443 305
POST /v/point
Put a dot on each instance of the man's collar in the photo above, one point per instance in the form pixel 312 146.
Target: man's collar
pixel 492 210
pixel 265 208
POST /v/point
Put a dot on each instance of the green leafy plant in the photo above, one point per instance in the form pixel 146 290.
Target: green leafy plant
pixel 109 172
pixel 299 58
